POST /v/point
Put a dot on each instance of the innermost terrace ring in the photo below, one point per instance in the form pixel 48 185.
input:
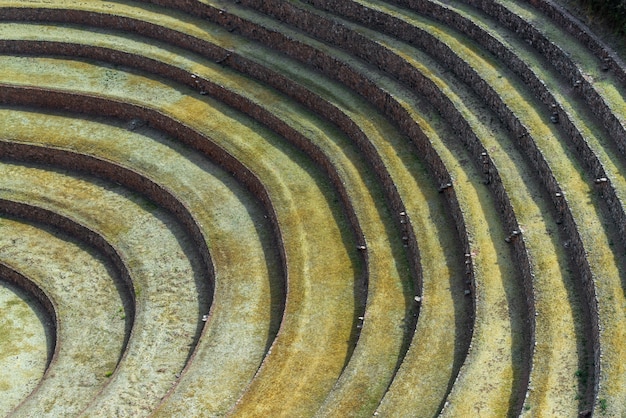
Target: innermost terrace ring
pixel 27 338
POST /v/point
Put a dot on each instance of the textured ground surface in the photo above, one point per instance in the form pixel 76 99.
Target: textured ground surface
pixel 310 208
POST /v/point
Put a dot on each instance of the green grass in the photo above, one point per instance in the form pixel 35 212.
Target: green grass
pixel 505 91
pixel 264 20
pixel 570 176
pixel 553 281
pixel 303 226
pixel 611 90
pixel 378 79
pixel 606 268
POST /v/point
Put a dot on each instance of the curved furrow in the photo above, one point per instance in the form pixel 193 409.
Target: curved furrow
pixel 251 286
pixel 327 260
pixel 29 329
pixel 468 251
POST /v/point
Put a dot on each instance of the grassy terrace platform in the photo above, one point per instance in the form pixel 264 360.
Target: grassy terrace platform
pixel 372 274
pixel 502 93
pixel 388 208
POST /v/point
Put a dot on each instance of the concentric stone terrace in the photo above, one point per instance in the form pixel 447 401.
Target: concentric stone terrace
pixel 402 208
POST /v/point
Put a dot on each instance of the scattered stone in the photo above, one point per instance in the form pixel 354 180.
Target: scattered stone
pixel 444 186
pixel 224 58
pixel 606 64
pixel 554 118
pixel 136 123
pixel 513 234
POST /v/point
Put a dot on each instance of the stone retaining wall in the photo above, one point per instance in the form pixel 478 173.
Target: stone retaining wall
pixel 338 34
pixel 104 107
pixel 466 73
pixel 575 28
pixel 112 172
pixel 339 71
pixel 299 93
pixel 561 61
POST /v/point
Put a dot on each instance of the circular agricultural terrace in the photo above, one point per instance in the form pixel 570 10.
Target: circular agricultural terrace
pixel 310 208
